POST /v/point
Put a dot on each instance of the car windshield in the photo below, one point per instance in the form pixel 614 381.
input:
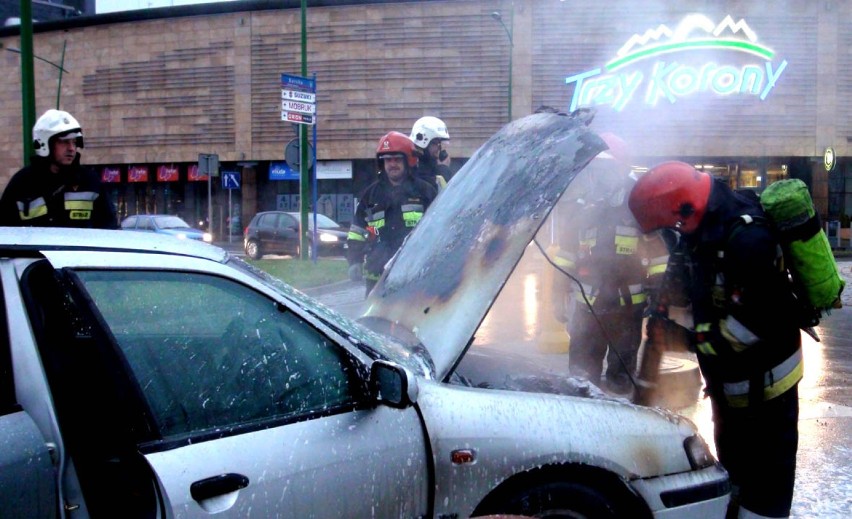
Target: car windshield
pixel 377 345
pixel 170 222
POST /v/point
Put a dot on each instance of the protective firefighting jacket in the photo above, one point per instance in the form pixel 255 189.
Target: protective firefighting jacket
pixel 746 331
pixel 71 197
pixel 383 218
pixel 602 247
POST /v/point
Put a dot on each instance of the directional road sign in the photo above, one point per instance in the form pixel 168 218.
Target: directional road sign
pixel 298 99
pixel 297 118
pixel 298 83
pixel 298 107
pixel 296 95
pixel 230 179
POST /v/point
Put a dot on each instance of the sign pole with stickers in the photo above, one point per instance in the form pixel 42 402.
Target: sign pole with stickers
pixel 298 106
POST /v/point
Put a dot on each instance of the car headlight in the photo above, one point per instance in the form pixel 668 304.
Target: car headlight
pixel 698 452
pixel 327 237
pixel 207 237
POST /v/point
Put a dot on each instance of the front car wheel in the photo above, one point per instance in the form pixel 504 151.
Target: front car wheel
pixel 563 500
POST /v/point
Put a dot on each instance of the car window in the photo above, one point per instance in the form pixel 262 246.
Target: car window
pixel 129 223
pixel 210 353
pixel 144 223
pixel 286 221
pixel 268 220
pixel 171 222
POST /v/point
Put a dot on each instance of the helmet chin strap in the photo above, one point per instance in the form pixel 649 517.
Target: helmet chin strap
pixel 678 225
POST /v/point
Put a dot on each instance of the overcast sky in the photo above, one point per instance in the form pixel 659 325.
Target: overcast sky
pixel 111 6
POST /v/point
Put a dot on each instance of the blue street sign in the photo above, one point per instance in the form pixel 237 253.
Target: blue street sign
pixel 298 82
pixel 230 180
pixel 282 171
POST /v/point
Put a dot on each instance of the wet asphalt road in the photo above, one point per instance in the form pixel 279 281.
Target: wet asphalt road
pixel 824 473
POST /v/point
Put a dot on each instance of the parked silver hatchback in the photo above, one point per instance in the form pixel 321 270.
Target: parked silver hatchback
pixel 133 386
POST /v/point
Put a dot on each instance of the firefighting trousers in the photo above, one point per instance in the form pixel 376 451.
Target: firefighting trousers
pixel 757 445
pixel 623 331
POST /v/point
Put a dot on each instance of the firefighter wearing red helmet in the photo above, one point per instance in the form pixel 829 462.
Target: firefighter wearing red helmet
pixel 388 209
pixel 745 330
pixel 613 265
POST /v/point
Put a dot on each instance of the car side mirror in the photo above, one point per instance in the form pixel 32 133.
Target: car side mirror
pixel 392 384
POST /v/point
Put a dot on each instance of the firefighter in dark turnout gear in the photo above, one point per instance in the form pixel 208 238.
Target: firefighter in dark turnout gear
pixel 745 328
pixel 429 135
pixel 388 209
pixel 55 191
pixel 614 265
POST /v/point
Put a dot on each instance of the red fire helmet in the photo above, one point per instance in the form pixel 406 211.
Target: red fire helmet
pixel 395 143
pixel 672 194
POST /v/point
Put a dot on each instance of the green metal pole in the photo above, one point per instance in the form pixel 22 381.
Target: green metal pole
pixel 303 150
pixel 27 79
pixel 61 69
pixel 511 52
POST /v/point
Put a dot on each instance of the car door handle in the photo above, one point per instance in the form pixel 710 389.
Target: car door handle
pixel 217 485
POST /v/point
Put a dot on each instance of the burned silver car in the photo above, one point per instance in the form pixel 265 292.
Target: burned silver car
pixel 135 386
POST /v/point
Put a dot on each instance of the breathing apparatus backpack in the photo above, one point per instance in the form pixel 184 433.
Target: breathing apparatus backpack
pixel 807 254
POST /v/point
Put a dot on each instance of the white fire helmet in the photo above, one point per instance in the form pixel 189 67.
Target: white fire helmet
pixel 427 128
pixel 51 124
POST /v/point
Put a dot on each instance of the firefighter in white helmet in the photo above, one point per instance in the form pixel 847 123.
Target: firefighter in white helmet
pixel 55 191
pixel 430 137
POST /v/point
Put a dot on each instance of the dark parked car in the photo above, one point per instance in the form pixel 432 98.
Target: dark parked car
pixel 278 232
pixel 165 224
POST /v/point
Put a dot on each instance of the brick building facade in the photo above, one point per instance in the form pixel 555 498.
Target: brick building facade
pixel 154 89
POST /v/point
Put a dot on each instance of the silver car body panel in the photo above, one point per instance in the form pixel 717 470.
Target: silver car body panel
pixel 27 484
pixel 31 386
pixel 446 276
pixel 356 464
pixel 512 432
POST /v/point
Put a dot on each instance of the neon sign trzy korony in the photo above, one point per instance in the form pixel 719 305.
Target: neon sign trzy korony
pixel 618 82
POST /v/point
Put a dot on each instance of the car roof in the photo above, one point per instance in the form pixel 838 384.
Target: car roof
pixel 22 239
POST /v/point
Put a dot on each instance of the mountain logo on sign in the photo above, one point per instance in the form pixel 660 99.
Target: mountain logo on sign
pixel 619 79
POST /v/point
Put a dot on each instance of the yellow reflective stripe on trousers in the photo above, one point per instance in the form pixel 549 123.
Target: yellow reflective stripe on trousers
pixel 34 209
pixel 776 381
pixel 636 295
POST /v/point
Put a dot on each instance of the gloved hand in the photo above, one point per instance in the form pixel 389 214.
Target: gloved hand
pixel 356 272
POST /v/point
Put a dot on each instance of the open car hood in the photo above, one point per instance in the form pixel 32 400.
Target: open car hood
pixel 443 280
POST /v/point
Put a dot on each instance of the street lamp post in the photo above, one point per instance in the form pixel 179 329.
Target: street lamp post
pixel 509 33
